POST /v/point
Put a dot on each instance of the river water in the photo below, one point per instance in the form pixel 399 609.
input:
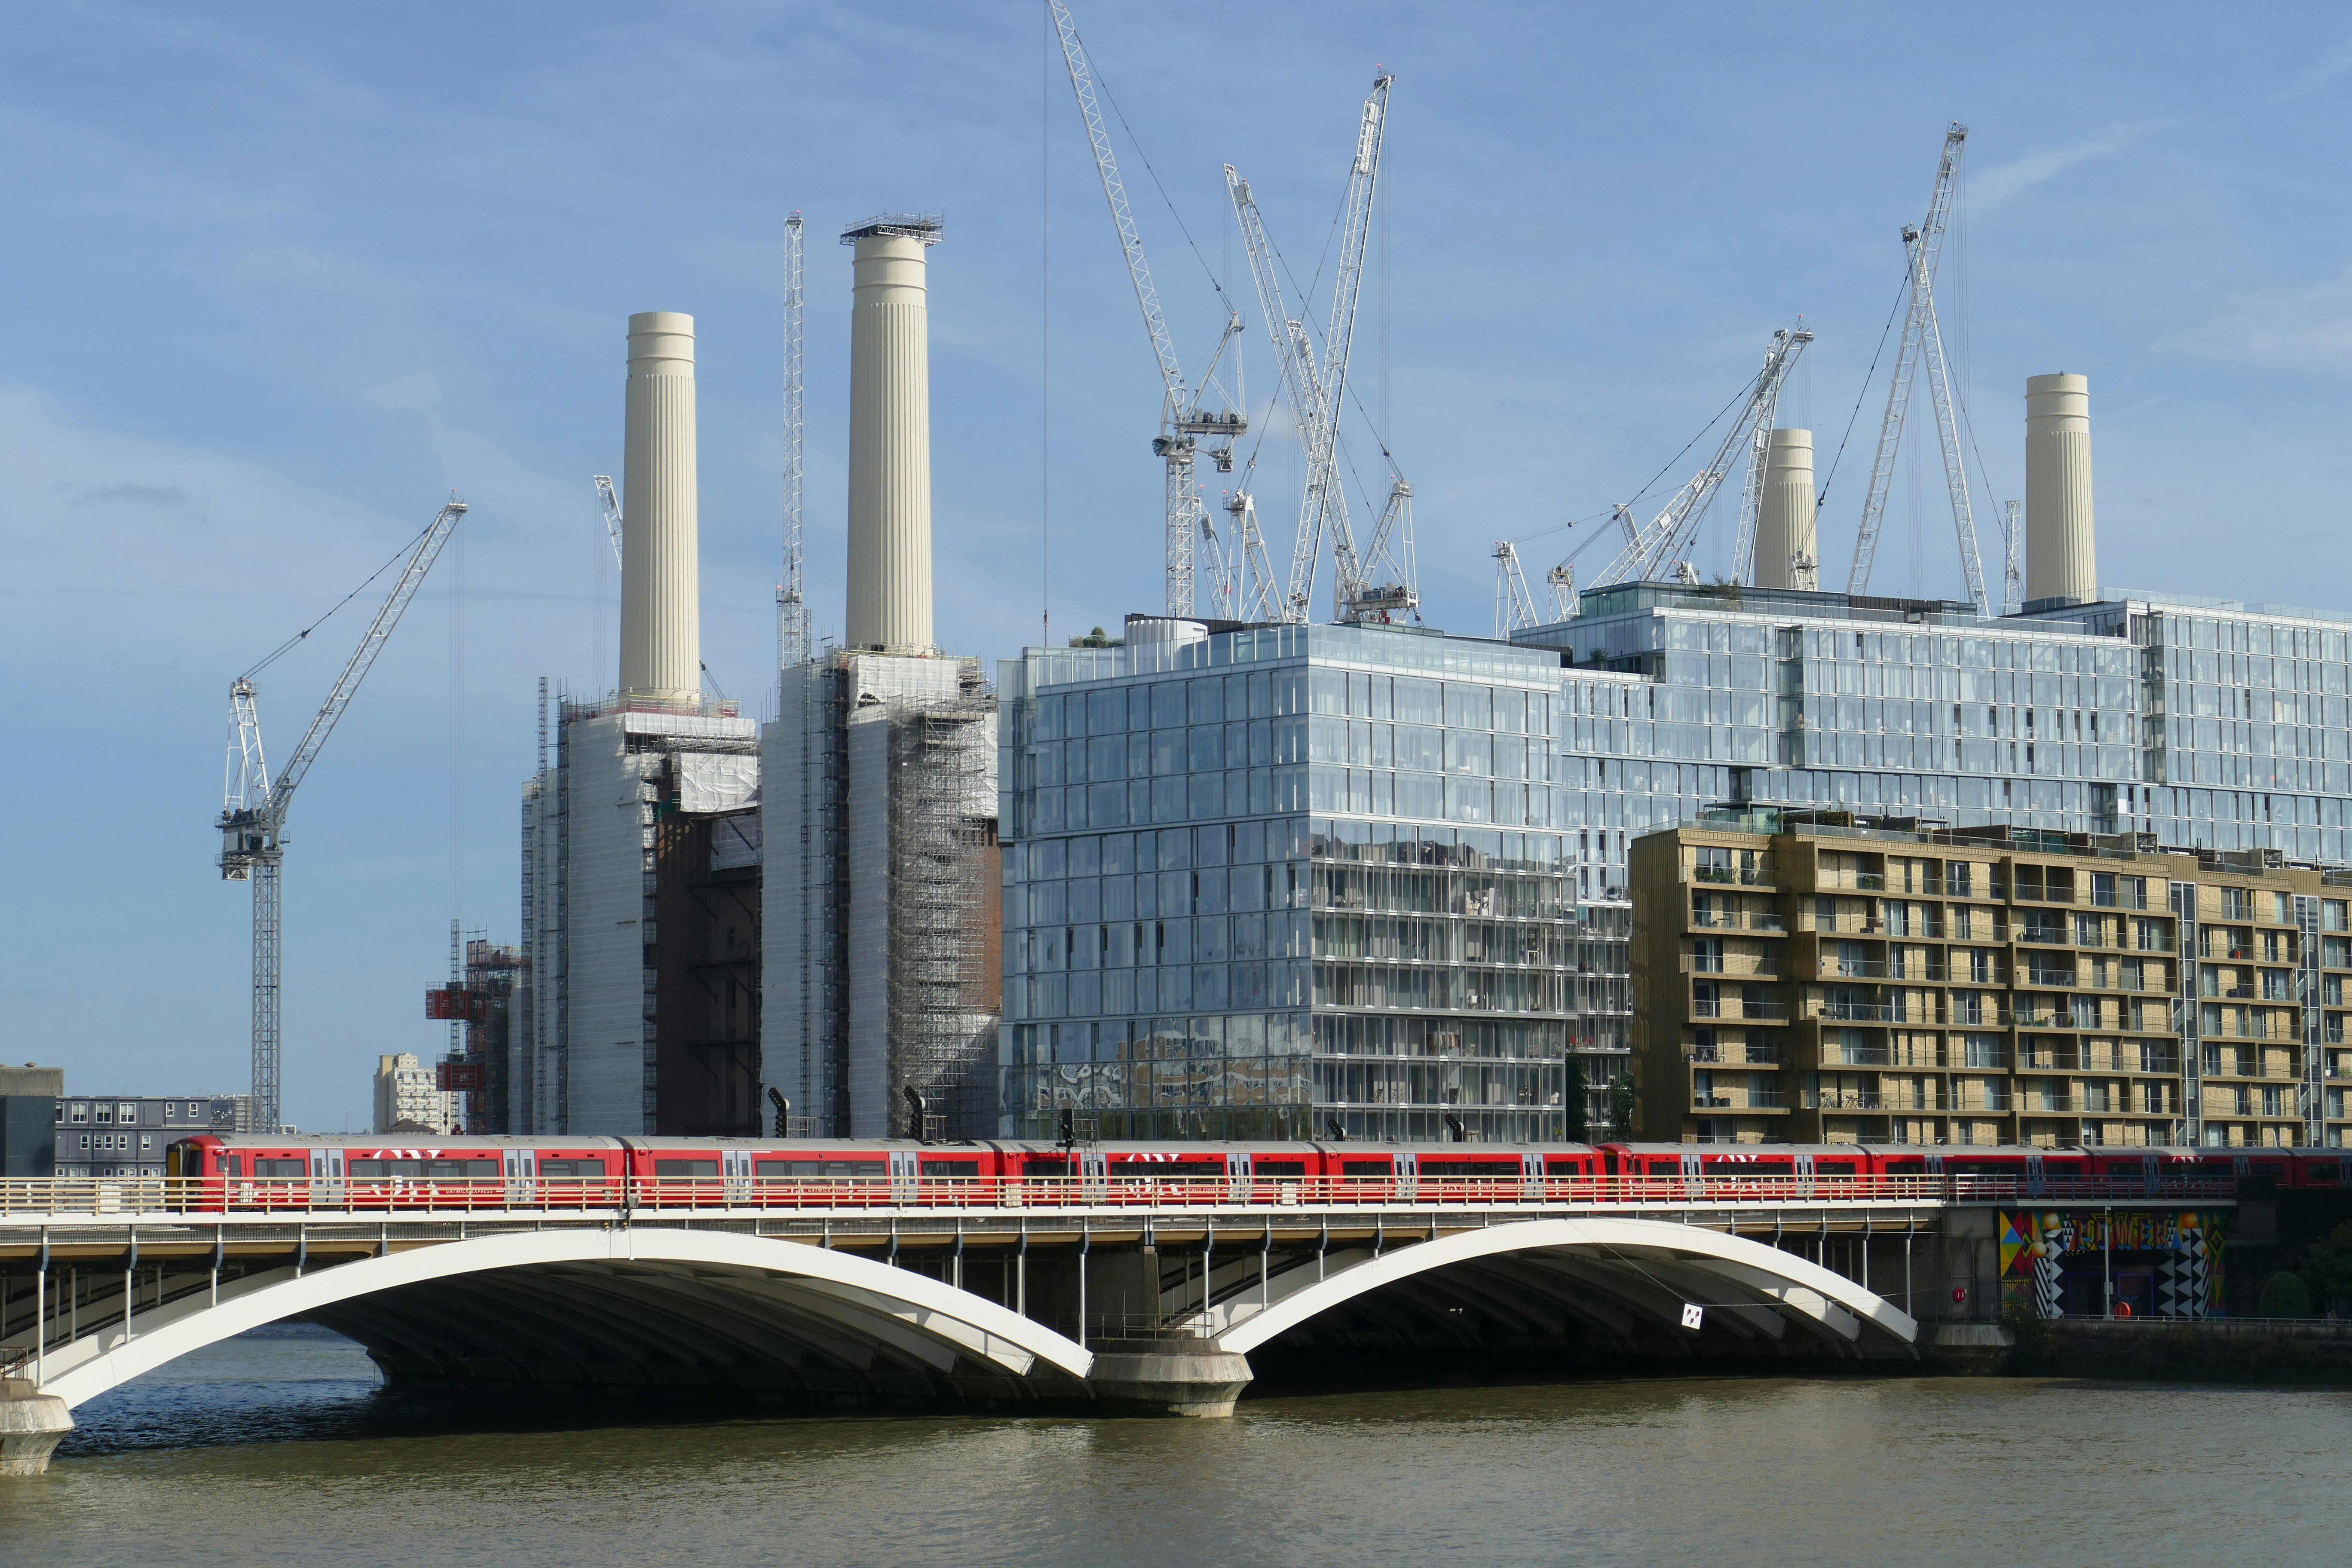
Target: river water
pixel 282 1447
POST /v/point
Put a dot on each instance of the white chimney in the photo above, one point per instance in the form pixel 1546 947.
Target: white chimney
pixel 2061 552
pixel 661 587
pixel 1786 552
pixel 890 435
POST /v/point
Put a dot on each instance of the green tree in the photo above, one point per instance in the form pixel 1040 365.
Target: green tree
pixel 2285 1297
pixel 2327 1266
pixel 1621 1105
pixel 1580 1101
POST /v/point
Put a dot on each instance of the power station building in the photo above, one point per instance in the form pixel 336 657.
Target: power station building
pixel 641 906
pixel 659 888
pixel 1269 876
pixel 879 849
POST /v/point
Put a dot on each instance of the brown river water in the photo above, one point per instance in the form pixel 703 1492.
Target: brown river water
pixel 282 1447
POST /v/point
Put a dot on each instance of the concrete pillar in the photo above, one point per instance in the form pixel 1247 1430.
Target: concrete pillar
pixel 1786 555
pixel 2061 552
pixel 1188 1378
pixel 32 1423
pixel 890 437
pixel 661 585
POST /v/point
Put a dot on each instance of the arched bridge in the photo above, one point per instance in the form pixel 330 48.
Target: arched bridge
pixel 833 1306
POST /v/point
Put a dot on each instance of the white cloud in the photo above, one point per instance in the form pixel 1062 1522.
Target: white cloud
pixel 1992 186
pixel 2320 72
pixel 2307 327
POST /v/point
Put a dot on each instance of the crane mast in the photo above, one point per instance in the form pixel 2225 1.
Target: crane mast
pixel 1923 344
pixel 254 808
pixel 1183 423
pixel 793 639
pixel 1663 545
pixel 1514 606
pixel 1317 392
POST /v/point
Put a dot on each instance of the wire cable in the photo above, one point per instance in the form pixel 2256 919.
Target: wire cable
pixel 276 653
pixel 1822 500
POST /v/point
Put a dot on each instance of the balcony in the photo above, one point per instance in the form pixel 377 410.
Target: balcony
pixel 2117 900
pixel 1739 919
pixel 1734 876
pixel 1858 1013
pixel 1735 1056
pixel 1857 1056
pixel 1766 966
pixel 1754 1100
pixel 1732 1012
pixel 2057 979
pixel 1847 1100
pixel 2046 936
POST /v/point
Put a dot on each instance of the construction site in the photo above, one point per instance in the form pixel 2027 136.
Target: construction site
pixel 1277 856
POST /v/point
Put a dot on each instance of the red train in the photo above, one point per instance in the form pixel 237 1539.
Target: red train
pixel 248 1171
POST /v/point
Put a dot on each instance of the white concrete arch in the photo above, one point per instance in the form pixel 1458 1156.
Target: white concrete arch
pixel 1749 1269
pixel 935 1320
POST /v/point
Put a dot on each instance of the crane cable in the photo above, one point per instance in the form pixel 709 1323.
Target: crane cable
pixel 281 648
pixel 1868 376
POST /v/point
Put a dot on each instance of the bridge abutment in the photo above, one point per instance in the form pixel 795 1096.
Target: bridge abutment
pixel 1180 1380
pixel 32 1423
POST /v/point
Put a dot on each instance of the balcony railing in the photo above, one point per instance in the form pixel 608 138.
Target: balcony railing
pixel 1766 966
pixel 1734 876
pixel 1738 920
pixel 1733 1012
pixel 1754 1100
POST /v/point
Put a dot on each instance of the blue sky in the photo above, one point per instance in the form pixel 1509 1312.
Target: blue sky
pixel 284 275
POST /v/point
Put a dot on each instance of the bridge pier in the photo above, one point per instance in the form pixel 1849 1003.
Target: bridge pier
pixel 32 1423
pixel 1180 1380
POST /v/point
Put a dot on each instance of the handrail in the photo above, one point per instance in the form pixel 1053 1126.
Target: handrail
pixel 1162 1187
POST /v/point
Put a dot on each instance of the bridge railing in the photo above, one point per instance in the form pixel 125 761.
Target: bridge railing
pixel 35 1197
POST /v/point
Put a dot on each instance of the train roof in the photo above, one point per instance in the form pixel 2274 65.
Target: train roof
pixel 436 1142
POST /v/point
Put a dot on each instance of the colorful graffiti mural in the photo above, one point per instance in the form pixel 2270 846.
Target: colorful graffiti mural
pixel 2057 1263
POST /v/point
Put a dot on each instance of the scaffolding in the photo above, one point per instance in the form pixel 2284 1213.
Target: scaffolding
pixel 942 1026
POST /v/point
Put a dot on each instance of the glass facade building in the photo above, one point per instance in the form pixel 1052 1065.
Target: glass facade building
pixel 1280 879
pixel 1274 878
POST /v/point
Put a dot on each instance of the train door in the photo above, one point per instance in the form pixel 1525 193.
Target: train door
pixel 1408 1176
pixel 1531 1184
pixel 902 1175
pixel 2035 1179
pixel 1094 1167
pixel 521 1170
pixel 326 1175
pixel 1693 1175
pixel 735 1170
pixel 1801 1167
pixel 1237 1177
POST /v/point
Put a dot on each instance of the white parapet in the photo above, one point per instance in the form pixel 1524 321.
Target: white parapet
pixel 661 588
pixel 1786 555
pixel 2061 551
pixel 890 439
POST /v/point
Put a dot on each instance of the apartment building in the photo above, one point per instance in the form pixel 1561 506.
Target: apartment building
pixel 1827 977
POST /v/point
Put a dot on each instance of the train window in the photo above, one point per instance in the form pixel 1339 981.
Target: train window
pixel 771 1170
pixel 571 1167
pixel 1569 1167
pixel 686 1167
pixel 1364 1167
pixel 1663 1167
pixel 2323 1171
pixel 1279 1167
pixel 951 1167
pixel 1468 1168
pixel 487 1170
pixel 1037 1169
pixel 262 1167
pixel 1834 1167
pixel 1177 1171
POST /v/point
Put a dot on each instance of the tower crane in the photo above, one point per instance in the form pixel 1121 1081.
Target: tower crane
pixel 793 639
pixel 253 813
pixel 1663 545
pixel 1185 423
pixel 1378 584
pixel 1923 342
